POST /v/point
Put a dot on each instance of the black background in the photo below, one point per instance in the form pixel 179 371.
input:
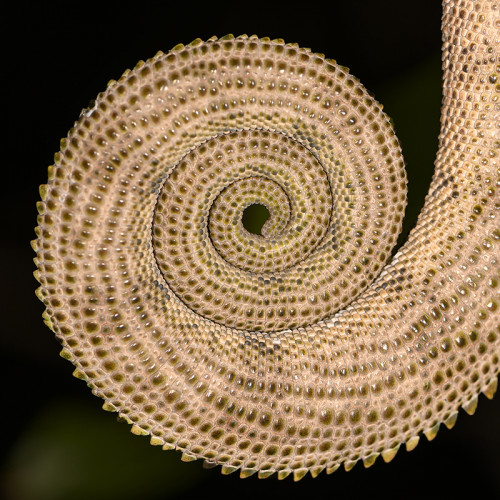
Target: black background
pixel 58 443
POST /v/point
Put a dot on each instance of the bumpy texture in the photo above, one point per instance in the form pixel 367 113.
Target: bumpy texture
pixel 307 346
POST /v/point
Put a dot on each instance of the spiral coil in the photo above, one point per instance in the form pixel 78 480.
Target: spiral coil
pixel 300 348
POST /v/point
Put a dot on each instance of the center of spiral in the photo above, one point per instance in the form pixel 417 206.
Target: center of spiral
pixel 237 277
pixel 254 217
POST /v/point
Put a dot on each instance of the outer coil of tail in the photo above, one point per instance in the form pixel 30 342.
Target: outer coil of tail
pixel 307 346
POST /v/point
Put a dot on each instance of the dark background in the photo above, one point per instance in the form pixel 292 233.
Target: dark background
pixel 57 442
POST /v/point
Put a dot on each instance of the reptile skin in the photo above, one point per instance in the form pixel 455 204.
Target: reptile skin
pixel 310 345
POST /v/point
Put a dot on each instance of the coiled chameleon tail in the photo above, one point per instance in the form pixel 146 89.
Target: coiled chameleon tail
pixel 307 346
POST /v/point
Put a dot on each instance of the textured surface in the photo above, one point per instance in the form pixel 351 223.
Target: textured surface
pixel 277 353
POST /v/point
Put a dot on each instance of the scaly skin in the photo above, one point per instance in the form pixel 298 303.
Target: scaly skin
pixel 307 347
